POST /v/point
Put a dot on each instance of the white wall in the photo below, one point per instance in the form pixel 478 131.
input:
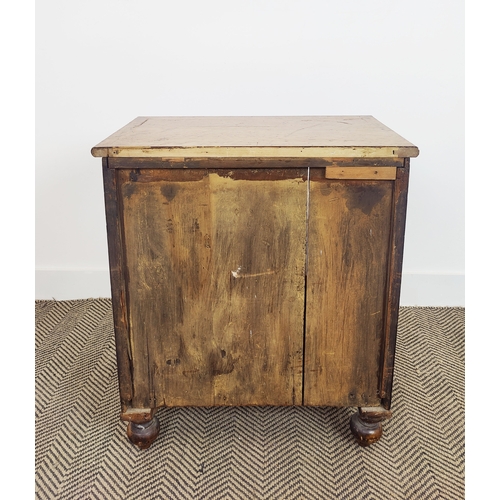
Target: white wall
pixel 102 63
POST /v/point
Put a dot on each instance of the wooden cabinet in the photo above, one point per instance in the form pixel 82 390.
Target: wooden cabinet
pixel 255 261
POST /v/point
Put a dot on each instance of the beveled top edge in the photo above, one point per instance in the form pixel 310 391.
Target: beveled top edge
pixel 255 136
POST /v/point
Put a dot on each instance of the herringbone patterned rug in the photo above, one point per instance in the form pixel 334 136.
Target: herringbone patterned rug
pixel 244 453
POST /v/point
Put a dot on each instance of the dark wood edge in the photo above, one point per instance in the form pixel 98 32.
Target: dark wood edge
pixel 118 282
pixel 395 267
pixel 147 175
pixel 250 163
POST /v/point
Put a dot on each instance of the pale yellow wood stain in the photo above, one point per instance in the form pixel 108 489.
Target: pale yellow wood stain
pixel 361 173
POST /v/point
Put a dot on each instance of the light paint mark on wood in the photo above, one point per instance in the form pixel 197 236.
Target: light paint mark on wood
pixel 239 274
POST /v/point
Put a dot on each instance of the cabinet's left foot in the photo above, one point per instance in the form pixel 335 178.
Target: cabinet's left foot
pixel 366 424
pixel 143 434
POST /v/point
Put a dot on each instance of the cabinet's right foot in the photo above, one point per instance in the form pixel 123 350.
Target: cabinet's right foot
pixel 366 424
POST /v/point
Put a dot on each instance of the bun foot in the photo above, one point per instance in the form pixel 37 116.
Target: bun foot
pixel 364 432
pixel 143 434
pixel 366 424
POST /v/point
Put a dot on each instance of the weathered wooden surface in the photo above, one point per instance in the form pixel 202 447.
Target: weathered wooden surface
pixel 215 267
pixel 394 270
pixel 348 246
pixel 222 163
pixel 118 282
pixel 252 163
pixel 361 173
pixel 257 136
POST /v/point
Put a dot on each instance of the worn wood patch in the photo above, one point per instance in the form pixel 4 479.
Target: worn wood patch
pixel 349 230
pixel 118 282
pixel 215 267
pixel 361 162
pixel 222 163
pixel 395 266
pixel 251 163
pixel 361 173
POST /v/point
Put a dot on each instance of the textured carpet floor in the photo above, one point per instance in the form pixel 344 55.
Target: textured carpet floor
pixel 244 453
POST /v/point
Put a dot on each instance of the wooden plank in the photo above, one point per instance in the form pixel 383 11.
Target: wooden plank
pixel 256 152
pixel 394 283
pixel 299 136
pixel 365 162
pixel 361 173
pixel 216 278
pixel 220 163
pixel 348 238
pixel 251 163
pixel 118 282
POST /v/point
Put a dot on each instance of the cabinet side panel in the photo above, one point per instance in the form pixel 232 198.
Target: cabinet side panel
pixel 118 281
pixel 394 282
pixel 349 230
pixel 216 280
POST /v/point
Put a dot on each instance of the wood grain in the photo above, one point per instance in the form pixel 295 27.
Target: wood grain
pixel 221 163
pixel 361 173
pixel 251 163
pixel 349 234
pixel 291 136
pixel 216 285
pixel 394 270
pixel 256 152
pixel 118 282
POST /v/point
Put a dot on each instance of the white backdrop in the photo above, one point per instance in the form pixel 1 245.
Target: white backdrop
pixel 102 63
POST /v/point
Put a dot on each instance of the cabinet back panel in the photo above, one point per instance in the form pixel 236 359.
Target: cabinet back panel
pixel 215 266
pixel 349 230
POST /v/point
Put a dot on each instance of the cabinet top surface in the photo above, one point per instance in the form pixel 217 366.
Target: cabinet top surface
pixel 255 136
